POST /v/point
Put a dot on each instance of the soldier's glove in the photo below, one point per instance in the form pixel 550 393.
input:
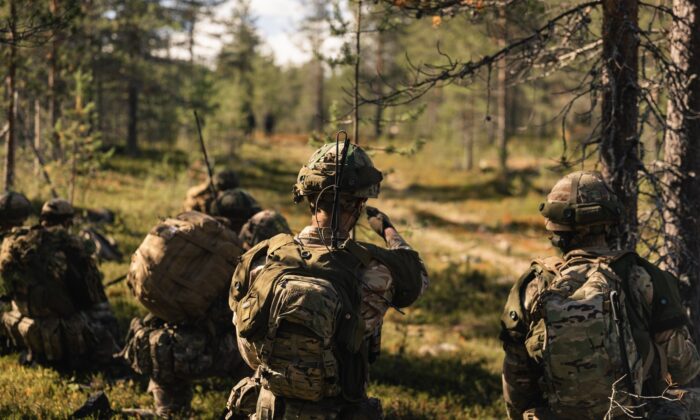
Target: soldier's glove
pixel 378 221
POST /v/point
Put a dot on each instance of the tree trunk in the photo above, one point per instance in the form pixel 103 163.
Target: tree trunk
pixel 619 146
pixel 37 134
pixel 468 144
pixel 356 85
pixel 132 145
pixel 11 108
pixel 319 118
pixel 54 87
pixel 501 100
pixel 682 154
pixel 379 110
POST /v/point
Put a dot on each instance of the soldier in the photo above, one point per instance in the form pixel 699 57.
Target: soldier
pixel 57 213
pixel 60 313
pixel 597 332
pixel 234 207
pixel 15 208
pixel 306 314
pixel 263 225
pixel 201 197
pixel 174 350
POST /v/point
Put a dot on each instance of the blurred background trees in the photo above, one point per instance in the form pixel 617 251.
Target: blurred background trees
pixel 611 85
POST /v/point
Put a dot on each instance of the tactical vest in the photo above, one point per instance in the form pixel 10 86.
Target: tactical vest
pixel 585 332
pixel 303 313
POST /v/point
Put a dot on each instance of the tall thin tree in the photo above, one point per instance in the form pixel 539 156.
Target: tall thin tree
pixel 682 155
pixel 619 145
pixel 10 84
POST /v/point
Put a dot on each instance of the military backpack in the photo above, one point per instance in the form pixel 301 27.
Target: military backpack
pixel 183 266
pixel 581 335
pixel 302 312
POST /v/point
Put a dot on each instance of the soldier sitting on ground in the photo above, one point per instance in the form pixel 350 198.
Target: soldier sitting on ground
pixel 15 208
pixel 306 313
pixel 60 313
pixel 595 330
pixel 187 335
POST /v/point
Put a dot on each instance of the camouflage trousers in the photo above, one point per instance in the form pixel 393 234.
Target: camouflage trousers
pixel 249 400
pixel 79 341
pixel 173 355
pixel 171 399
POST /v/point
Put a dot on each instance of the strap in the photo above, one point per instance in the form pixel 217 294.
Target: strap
pixel 278 241
pixel 648 361
pixel 663 361
pixel 574 189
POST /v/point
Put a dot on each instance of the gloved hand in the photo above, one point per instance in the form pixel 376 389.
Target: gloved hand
pixel 378 221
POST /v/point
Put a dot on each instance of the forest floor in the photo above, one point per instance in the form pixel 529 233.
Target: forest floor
pixel 440 360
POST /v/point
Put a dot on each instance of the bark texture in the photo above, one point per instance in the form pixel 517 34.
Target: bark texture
pixel 682 156
pixel 619 146
pixel 9 176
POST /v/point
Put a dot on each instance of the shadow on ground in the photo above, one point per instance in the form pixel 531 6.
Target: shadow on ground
pixel 467 381
pixel 519 183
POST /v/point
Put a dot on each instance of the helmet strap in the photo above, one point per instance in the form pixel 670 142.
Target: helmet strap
pixel 340 158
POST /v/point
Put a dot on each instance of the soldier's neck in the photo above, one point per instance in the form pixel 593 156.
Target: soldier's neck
pixel 323 220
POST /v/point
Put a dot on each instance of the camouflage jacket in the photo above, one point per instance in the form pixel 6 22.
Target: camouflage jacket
pixel 660 331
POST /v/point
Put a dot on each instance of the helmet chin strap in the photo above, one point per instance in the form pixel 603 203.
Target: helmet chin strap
pixel 562 240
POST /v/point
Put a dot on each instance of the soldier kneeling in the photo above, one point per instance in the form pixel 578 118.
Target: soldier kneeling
pixel 60 313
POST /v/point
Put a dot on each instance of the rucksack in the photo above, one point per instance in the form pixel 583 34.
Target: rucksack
pixel 581 336
pixel 302 312
pixel 183 266
pixel 49 272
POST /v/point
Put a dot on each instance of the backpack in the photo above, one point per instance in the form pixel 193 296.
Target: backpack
pixel 302 312
pixel 49 272
pixel 183 266
pixel 581 336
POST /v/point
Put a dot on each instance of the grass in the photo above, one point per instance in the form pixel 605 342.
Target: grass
pixel 440 360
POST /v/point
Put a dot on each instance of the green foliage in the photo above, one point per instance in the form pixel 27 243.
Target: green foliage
pixel 85 152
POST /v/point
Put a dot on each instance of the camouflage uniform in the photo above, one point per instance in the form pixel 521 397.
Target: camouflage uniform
pixel 173 355
pixel 15 208
pixel 263 225
pixel 60 312
pixel 659 349
pixel 387 277
pixel 182 279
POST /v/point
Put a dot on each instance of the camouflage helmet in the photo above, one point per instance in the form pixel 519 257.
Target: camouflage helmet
pixel 263 225
pixel 56 209
pixel 225 180
pixel 14 208
pixel 580 200
pixel 236 205
pixel 360 178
